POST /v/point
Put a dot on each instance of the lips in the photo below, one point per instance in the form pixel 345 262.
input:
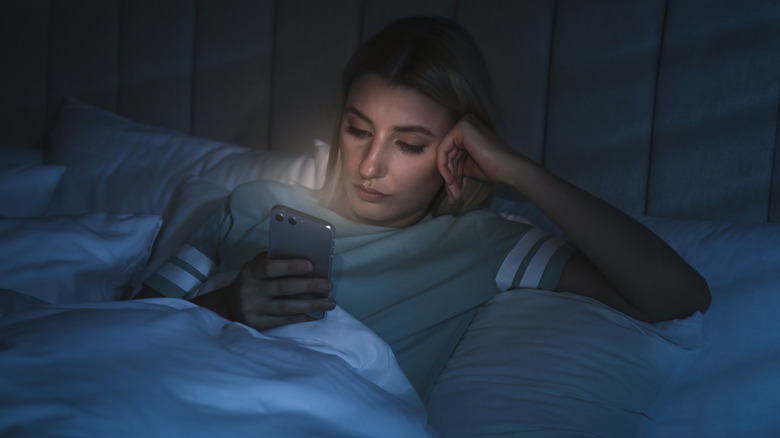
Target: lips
pixel 368 194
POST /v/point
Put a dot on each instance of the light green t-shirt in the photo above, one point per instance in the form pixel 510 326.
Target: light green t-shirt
pixel 416 287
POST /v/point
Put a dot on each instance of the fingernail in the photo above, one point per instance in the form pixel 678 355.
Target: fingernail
pixel 324 286
pixel 328 304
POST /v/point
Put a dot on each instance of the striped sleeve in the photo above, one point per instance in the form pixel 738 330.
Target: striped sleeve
pixel 182 274
pixel 536 262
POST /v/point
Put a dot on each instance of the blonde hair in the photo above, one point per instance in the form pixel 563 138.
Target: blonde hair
pixel 438 58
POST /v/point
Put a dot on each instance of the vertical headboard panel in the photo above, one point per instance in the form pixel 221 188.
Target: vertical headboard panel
pixel 716 111
pixel 312 43
pixel 234 54
pixel 516 45
pixel 378 13
pixel 24 46
pixel 774 189
pixel 84 52
pixel 602 85
pixel 156 54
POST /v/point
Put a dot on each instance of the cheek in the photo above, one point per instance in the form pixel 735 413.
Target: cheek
pixel 346 157
pixel 424 177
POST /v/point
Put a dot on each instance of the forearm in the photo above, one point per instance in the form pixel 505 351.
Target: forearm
pixel 639 266
pixel 213 300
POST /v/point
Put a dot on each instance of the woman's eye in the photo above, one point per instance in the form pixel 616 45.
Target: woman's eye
pixel 411 149
pixel 357 133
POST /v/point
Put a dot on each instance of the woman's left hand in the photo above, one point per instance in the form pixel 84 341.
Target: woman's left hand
pixel 472 150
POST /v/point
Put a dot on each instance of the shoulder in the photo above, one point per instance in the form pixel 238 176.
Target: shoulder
pixel 489 224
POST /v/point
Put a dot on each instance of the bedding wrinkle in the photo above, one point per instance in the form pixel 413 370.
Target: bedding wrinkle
pixel 241 380
pixel 531 354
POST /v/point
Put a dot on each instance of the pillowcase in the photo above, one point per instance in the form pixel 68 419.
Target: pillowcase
pixel 734 258
pixel 118 166
pixel 557 364
pixel 728 386
pixel 27 188
pixel 306 170
pixel 516 369
pixel 91 257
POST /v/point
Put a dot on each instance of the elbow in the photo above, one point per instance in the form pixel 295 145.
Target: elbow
pixel 693 296
pixel 703 296
pixel 696 297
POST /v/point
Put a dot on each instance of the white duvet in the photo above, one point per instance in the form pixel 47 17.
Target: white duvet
pixel 165 367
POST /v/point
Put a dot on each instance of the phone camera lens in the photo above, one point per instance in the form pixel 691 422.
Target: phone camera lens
pixel 291 220
pixel 279 218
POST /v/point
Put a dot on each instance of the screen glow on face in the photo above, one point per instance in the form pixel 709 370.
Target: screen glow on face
pixel 388 139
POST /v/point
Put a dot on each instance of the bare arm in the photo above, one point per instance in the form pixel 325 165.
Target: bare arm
pixel 621 262
pixel 215 300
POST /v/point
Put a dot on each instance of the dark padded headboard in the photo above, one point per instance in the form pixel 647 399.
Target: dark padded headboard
pixel 663 107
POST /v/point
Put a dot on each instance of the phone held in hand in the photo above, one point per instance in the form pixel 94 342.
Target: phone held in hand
pixel 294 234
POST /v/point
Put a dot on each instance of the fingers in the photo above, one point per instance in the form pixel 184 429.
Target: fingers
pixel 287 286
pixel 269 293
pixel 450 163
pixel 261 267
pixel 273 278
pixel 262 314
pixel 473 150
pixel 289 307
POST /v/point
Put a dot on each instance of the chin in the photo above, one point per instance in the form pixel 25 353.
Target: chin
pixel 370 214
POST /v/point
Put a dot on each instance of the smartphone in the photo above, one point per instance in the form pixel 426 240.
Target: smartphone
pixel 294 234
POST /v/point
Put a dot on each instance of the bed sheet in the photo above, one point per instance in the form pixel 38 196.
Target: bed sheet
pixel 165 367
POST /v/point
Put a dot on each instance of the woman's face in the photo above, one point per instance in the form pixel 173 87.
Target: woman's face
pixel 389 136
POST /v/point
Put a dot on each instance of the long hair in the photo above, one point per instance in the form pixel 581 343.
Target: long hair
pixel 438 58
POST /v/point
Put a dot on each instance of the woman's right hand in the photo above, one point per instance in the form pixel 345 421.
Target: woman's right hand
pixel 260 294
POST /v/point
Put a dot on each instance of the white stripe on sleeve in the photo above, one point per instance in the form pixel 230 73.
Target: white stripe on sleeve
pixel 179 277
pixel 197 260
pixel 506 274
pixel 533 273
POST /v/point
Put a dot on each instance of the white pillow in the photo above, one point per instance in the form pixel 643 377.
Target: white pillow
pixel 306 170
pixel 725 393
pixel 27 188
pixel 556 364
pixel 91 257
pixel 119 166
pixel 499 379
pixel 732 257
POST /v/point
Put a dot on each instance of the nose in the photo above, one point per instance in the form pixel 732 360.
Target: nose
pixel 373 163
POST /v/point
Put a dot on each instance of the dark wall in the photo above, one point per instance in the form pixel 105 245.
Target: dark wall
pixel 663 107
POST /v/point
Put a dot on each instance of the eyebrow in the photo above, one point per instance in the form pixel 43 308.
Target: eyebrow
pixel 410 128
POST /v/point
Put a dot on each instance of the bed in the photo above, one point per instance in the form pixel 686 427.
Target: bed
pixel 125 123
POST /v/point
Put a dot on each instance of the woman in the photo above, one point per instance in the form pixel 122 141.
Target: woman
pixel 414 153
